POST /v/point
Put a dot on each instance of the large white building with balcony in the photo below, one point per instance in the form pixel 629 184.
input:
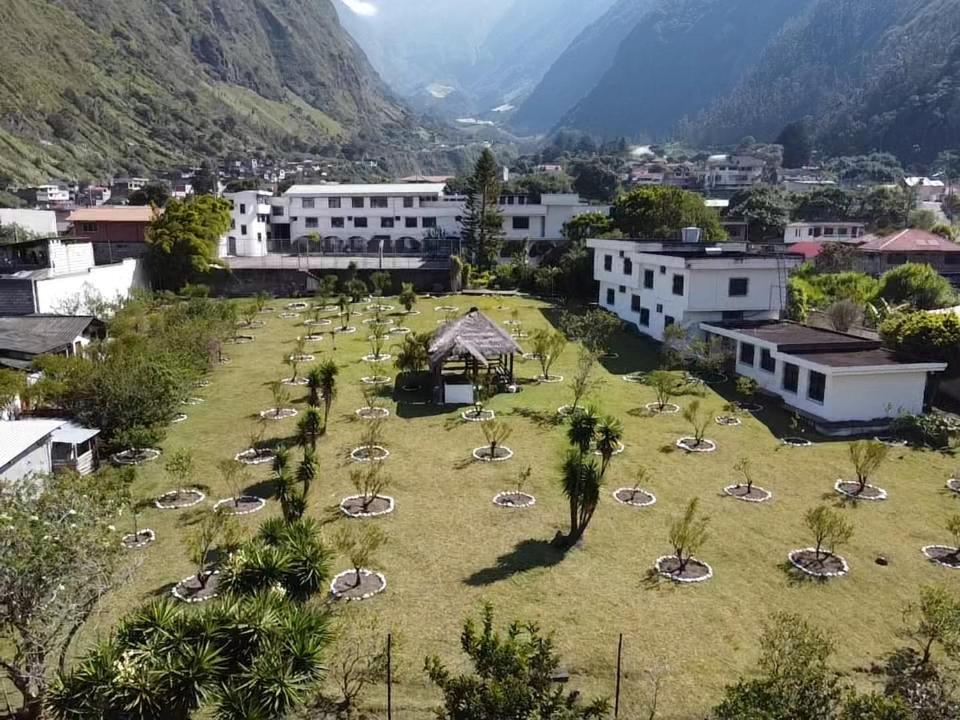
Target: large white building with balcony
pixel 728 174
pixel 374 218
pixel 653 285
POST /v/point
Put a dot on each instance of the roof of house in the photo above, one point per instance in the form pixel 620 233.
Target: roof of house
pixel 923 182
pixel 475 335
pixel 16 436
pixel 906 241
pixel 113 213
pixel 73 434
pixel 38 334
pixel 807 248
pixel 427 178
pixel 368 189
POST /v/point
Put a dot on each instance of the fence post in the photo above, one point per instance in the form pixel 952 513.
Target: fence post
pixel 389 676
pixel 616 702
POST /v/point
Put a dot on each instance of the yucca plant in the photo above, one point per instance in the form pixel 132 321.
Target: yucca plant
pixel 580 481
pixel 310 428
pixel 328 387
pixel 314 382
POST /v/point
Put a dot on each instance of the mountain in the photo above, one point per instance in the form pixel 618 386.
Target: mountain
pixel 90 89
pixel 867 74
pixel 680 56
pixel 579 68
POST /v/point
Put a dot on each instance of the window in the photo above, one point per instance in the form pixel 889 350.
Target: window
pixel 645 316
pixel 648 279
pixel 312 222
pixel 635 303
pixel 356 202
pixel 791 377
pixel 429 222
pixel 663 269
pixel 739 287
pixel 88 227
pixel 747 353
pixel 333 203
pixel 410 222
pixel 521 223
pixel 305 203
pixel 668 321
pixel 408 202
pixel 386 222
pixel 622 288
pixel 233 224
pixel 896 259
pixel 360 222
pixel 659 309
pixel 276 211
pixel 817 388
pixel 611 296
pixel 627 266
pixel 336 222
pixel 243 209
pixel 951 259
pixel 608 262
pixel 678 284
pixel 767 362
pixel 379 202
pixel 243 229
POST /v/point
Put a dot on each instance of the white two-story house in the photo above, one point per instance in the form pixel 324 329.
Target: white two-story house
pixel 250 229
pixel 653 285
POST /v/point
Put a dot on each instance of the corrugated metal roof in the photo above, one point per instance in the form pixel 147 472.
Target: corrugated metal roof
pixel 908 241
pixel 38 334
pixel 19 435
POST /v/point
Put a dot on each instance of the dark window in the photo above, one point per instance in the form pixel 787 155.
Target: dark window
pixel 767 362
pixel 627 266
pixel 521 223
pixel 732 315
pixel 818 386
pixel 408 202
pixel 896 259
pixel 333 203
pixel 356 202
pixel 668 321
pixel 359 222
pixel 88 227
pixel 243 209
pixel 622 288
pixel 635 303
pixel 410 222
pixel 663 269
pixel 379 202
pixel 952 259
pixel 739 287
pixel 659 309
pixel 747 353
pixel 611 296
pixel 608 262
pixel 276 211
pixel 645 317
pixel 791 377
pixel 243 229
pixel 313 222
pixel 648 279
pixel 678 284
pixel 429 222
pixel 336 222
pixel 386 222
pixel 305 203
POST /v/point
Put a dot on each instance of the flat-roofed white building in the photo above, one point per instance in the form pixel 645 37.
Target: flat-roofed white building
pixel 653 285
pixel 249 224
pixel 824 232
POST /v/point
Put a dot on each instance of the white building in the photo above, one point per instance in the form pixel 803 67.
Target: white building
pixel 731 173
pixel 392 218
pixel 653 285
pixel 32 448
pixel 39 222
pixel 823 231
pixel 927 190
pixel 844 384
pixel 51 194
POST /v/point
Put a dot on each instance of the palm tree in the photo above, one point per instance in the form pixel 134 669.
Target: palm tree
pixel 583 426
pixel 314 380
pixel 412 354
pixel 581 483
pixel 608 433
pixel 328 387
pixel 307 472
pixel 310 428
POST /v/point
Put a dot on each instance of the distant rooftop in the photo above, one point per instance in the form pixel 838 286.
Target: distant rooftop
pixel 38 334
pixel 908 241
pixel 113 213
pixel 368 189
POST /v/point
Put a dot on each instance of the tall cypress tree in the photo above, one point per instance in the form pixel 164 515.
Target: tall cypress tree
pixel 482 224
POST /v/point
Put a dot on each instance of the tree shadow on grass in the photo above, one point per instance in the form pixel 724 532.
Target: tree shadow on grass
pixel 539 417
pixel 797 578
pixel 526 555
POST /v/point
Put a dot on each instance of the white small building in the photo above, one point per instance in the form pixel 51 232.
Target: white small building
pixel 842 383
pixel 927 189
pixel 844 232
pixel 39 222
pixel 51 194
pixel 35 448
pixel 249 224
pixel 727 174
pixel 653 285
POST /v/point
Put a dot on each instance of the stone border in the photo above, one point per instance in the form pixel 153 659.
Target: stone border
pixel 748 407
pixel 261 458
pixel 656 409
pixel 477 456
pixel 140 544
pixel 880 497
pixel 284 414
pixel 288 315
pixel 937 560
pixel 684 581
pixel 193 401
pixel 391 506
pixel 241 340
pixel 569 410
pixel 530 356
pixel 267 309
pixel 684 445
pixel 313 338
pixel 317 323
pixel 551 380
pixel 178 418
pixel 380 415
pixel 305 358
pixel 512 323
pixel 119 459
pixel 298 306
pixel 499 500
pixel 716 380
pixel 892 442
pixel 621 448
pixel 635 378
pixel 176 592
pixel 729 488
pixel 166 506
pixel 373 321
pixel 411 388
pixel 465 415
pixel 201 383
pixel 375 380
pixel 366 596
pixel 653 498
pixel 254 325
pixel 446 308
pixel 376 358
pixel 348 330
pixel 400 330
pixel 261 504
pixel 382 308
pixel 796 442
pixel 843 561
pixel 728 421
pixel 299 382
pixel 953 485
pixel 353 454
pixel 409 313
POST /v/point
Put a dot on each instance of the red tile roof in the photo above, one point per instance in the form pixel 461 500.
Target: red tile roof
pixel 106 213
pixel 808 249
pixel 906 241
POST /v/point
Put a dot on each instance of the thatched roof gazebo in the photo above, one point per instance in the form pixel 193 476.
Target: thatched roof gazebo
pixel 466 346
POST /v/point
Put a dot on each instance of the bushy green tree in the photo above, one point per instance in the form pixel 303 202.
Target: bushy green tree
pixel 797 144
pixel 585 226
pixel 924 336
pixel 661 212
pixel 917 284
pixel 182 242
pixel 595 180
pixel 482 224
pixel 766 210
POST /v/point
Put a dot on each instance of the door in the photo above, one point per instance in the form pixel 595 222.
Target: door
pixel 231 246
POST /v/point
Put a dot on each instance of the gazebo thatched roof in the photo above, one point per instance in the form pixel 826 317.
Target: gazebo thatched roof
pixel 475 335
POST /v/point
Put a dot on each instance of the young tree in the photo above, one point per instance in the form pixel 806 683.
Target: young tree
pixel 747 387
pixel 248 313
pixel 180 467
pixel 664 384
pixel 255 436
pixel 378 337
pixel 214 530
pixel 50 587
pixel 360 544
pixel 281 396
pixel 407 297
pixel 953 528
pixel 640 478
pixel 358 659
pixel 699 419
pixel 688 534
pixel 495 432
pixel 235 476
pixel 381 282
pixel 745 467
pixel 482 224
pixel 372 435
pixel 547 345
pixel 183 240
pixel 293 360
pixel 310 428
pixel 866 456
pixel 580 481
pixel 594 329
pixel 413 353
pixel 356 289
pixel 369 482
pixel 328 387
pixel 933 621
pixel 512 677
pixel 829 529
pixel 582 380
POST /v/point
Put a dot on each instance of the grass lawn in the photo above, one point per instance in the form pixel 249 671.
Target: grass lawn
pixel 451 549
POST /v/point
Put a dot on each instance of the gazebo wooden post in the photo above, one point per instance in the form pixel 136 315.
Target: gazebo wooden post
pixel 511 368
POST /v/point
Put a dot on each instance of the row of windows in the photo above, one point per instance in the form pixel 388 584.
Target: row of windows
pixel 816 386
pixel 737 287
pixel 334 203
pixel 362 222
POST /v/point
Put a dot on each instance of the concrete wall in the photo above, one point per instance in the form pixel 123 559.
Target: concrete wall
pixel 35 460
pixel 70 257
pixel 105 281
pixel 41 222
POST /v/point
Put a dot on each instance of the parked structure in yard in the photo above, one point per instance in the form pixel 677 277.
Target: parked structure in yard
pixel 824 231
pixel 115 232
pixel 58 276
pixel 34 448
pixel 881 253
pixel 653 285
pixel 842 383
pixel 25 337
